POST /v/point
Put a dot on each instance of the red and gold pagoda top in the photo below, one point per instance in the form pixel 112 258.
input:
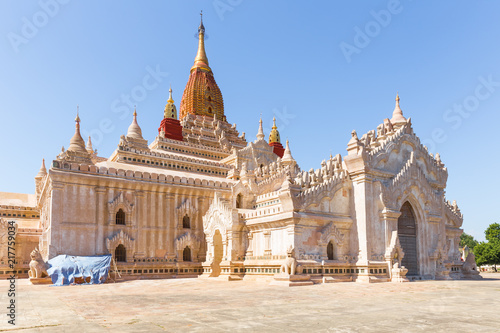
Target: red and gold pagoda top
pixel 202 96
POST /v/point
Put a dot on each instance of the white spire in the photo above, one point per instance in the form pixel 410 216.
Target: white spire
pixel 134 131
pixel 397 114
pixel 287 155
pixel 76 144
pixel 260 133
pixel 89 145
pixel 43 170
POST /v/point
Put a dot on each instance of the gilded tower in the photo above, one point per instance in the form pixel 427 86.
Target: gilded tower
pixel 275 141
pixel 202 96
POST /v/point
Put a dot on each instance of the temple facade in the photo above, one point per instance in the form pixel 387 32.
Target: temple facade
pixel 202 200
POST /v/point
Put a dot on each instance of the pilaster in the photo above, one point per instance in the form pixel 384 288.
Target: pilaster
pixel 101 219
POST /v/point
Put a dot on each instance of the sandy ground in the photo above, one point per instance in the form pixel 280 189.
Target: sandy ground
pixel 200 305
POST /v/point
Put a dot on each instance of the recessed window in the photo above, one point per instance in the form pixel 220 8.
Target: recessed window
pixel 186 222
pixel 121 253
pixel 120 217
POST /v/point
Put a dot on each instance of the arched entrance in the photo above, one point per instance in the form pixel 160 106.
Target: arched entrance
pixel 186 254
pixel 121 253
pixel 218 252
pixel 329 251
pixel 407 233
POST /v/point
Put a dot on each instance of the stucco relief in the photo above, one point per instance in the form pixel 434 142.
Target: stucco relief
pixel 125 240
pixel 187 239
pixel 124 201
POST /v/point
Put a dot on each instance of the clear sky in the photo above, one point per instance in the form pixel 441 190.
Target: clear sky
pixel 323 68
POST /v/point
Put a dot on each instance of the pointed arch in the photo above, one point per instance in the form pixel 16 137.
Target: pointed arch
pixel 330 251
pixel 407 234
pixel 186 222
pixel 186 254
pixel 120 253
pixel 120 217
pixel 239 200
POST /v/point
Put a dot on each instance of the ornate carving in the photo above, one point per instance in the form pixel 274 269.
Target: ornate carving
pixel 330 232
pixel 120 238
pixel 189 208
pixel 123 201
pixel 220 216
pixel 187 239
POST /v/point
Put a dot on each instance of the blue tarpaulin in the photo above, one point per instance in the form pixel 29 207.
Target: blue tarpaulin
pixel 65 270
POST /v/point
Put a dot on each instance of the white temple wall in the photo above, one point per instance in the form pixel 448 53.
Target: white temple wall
pixel 280 241
pixel 83 216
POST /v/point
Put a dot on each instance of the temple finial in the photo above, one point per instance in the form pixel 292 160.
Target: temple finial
pixel 135 111
pixel 134 130
pixel 201 60
pixel 274 136
pixel 89 145
pixel 42 172
pixel 287 158
pixel 76 144
pixel 201 28
pixel 260 133
pixel 170 99
pixel 77 119
pixel 397 114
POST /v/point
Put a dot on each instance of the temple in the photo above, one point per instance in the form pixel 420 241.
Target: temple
pixel 201 200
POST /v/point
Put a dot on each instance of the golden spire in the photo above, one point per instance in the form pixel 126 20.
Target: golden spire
pixel 170 110
pixel 274 136
pixel 202 96
pixel 170 99
pixel 201 60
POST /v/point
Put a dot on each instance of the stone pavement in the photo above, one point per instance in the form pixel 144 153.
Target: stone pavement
pixel 201 305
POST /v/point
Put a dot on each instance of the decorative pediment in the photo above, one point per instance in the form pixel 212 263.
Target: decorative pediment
pixel 188 207
pixel 330 232
pixel 385 154
pixel 220 215
pixel 187 239
pixel 120 238
pixel 121 201
pixel 410 180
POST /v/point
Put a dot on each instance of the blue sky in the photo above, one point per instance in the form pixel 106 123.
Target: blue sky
pixel 322 68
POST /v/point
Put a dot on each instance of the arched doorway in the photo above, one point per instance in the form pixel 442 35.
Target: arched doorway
pixel 121 253
pixel 218 252
pixel 239 201
pixel 407 232
pixel 186 254
pixel 330 251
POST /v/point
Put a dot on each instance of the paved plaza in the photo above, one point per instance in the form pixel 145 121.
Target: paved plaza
pixel 201 305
